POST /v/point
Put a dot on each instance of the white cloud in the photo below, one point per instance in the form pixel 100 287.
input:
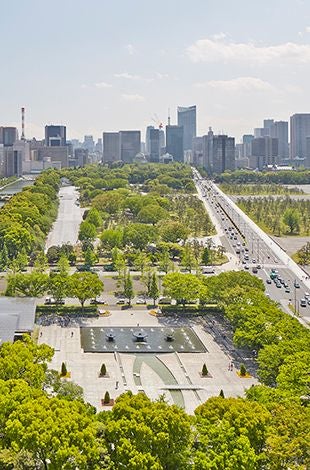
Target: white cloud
pixel 133 98
pixel 238 84
pixel 161 76
pixel 103 85
pixel 127 76
pixel 217 50
pixel 130 49
pixel 307 29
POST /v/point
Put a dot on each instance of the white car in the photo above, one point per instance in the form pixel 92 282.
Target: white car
pixel 140 301
pixel 306 295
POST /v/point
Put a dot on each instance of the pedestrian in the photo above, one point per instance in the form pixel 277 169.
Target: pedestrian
pixel 231 366
pixel 116 384
pixel 71 334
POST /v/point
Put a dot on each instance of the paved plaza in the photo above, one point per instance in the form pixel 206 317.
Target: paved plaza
pixel 175 374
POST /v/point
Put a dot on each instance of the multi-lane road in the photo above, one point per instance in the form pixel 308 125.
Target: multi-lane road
pixel 255 251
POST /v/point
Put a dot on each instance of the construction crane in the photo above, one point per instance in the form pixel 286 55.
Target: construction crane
pixel 157 121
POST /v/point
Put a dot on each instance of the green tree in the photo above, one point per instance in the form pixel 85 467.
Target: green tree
pixel 206 256
pixel 41 263
pixel 85 286
pixel 87 232
pixel 164 260
pixel 154 290
pixel 4 258
pixel 128 288
pixel 63 265
pixel 243 370
pixel 103 370
pixel 174 232
pixel 168 431
pixel 29 285
pixel 204 371
pixel 59 286
pixel 151 214
pixel 64 371
pixel 90 257
pixel 57 431
pixel 25 360
pixel 94 218
pixel 182 287
pixel 111 238
pixel 188 257
pixel 106 399
pixel 291 219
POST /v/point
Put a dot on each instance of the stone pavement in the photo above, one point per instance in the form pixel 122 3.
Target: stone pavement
pixel 121 368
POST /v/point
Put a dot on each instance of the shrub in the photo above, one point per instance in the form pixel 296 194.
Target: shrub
pixel 64 371
pixel 243 370
pixel 204 372
pixel 106 399
pixel 103 370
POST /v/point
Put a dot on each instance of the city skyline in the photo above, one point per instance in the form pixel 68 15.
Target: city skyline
pixel 101 66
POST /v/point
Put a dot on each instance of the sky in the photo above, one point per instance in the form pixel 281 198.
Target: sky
pixel 101 65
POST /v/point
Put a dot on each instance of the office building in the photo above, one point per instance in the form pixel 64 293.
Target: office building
pixel 110 142
pixel 187 120
pixel 147 139
pixel 129 145
pixel 175 143
pixel 80 157
pixel 279 130
pixel 198 151
pixel 58 156
pixel 55 136
pixel 300 130
pixel 89 143
pixel 154 145
pixel 218 152
pixel 8 135
pixel 264 152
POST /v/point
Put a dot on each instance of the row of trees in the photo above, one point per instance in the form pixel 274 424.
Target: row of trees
pixel 83 286
pixel 26 219
pixel 262 189
pixel 280 215
pixel 46 424
pixel 264 177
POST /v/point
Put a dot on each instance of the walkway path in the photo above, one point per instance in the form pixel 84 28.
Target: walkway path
pixel 66 227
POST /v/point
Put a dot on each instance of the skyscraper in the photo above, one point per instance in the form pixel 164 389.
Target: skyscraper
pixel 300 130
pixel 147 139
pixel 8 135
pixel 218 152
pixel 110 142
pixel 280 131
pixel 130 145
pixel 187 119
pixel 264 152
pixel 174 142
pixel 55 136
pixel 154 145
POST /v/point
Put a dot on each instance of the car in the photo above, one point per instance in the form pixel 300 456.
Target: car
pixel 121 301
pixel 279 285
pixel 246 266
pixel 52 301
pixel 287 290
pixel 254 270
pixel 308 301
pixel 164 300
pixel 306 295
pixel 285 284
pixel 253 260
pixel 268 281
pixel 97 301
pixel 246 249
pixel 140 301
pixel 235 238
pixel 258 266
pixel 296 285
pixel 303 303
pixel 282 281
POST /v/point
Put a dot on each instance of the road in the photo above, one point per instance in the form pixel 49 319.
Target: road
pixel 66 226
pixel 252 247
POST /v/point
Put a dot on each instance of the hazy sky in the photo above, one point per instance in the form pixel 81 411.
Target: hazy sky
pixel 97 65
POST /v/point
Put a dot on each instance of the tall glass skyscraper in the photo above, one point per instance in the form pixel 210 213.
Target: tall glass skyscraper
pixel 187 119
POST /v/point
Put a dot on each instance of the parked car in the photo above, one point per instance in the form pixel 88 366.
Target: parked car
pixel 120 301
pixel 164 300
pixel 268 281
pixel 52 301
pixel 140 301
pixel 97 301
pixel 296 285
